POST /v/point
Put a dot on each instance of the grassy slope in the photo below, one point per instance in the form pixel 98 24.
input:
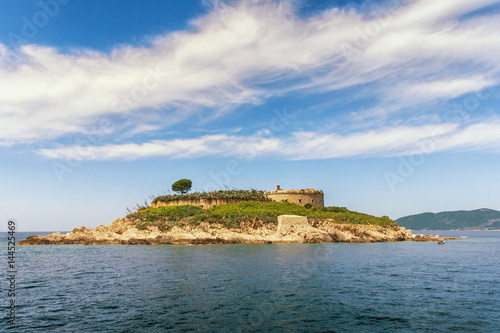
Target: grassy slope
pixel 232 215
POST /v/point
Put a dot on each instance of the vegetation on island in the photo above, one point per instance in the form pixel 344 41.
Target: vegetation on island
pixel 228 194
pixel 234 215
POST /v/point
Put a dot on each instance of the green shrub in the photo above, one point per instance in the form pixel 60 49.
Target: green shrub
pixel 254 209
pixel 183 186
pixel 170 212
pixel 334 209
pixel 232 215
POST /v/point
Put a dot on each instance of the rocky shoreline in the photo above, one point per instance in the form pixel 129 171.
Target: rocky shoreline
pixel 290 229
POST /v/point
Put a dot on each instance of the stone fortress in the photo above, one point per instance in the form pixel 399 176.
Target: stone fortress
pixel 301 197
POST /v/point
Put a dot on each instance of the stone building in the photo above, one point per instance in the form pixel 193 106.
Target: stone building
pixel 301 197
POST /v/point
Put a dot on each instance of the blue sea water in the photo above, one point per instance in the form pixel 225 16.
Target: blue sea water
pixel 334 287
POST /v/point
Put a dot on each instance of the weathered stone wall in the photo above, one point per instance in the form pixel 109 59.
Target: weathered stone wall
pixel 204 203
pixel 301 197
pixel 287 222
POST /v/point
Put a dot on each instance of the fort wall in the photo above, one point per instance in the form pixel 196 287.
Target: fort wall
pixel 301 197
pixel 203 203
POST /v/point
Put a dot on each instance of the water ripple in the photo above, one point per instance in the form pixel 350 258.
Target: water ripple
pixel 395 287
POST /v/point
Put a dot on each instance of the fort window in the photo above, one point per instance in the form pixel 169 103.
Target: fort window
pixel 300 200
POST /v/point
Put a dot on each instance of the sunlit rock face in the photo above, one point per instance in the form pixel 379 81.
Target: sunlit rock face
pixel 290 229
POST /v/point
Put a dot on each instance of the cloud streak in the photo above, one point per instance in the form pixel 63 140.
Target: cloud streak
pixel 244 54
pixel 302 145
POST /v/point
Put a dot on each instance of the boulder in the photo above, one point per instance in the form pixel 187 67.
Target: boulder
pixel 287 223
pixel 295 228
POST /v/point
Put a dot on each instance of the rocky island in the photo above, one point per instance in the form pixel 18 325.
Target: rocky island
pixel 290 229
pixel 249 218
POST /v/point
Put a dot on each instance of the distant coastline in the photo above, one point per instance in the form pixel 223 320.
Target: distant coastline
pixel 480 219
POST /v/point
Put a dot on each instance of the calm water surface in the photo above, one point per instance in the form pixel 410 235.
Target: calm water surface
pixel 381 287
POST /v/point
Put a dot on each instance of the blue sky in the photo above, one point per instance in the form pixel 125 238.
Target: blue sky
pixel 389 107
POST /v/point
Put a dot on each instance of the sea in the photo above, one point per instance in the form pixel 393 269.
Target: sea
pixel 329 287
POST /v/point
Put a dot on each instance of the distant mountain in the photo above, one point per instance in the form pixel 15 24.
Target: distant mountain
pixel 480 219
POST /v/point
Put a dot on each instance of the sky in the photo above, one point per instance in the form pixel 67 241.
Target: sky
pixel 389 107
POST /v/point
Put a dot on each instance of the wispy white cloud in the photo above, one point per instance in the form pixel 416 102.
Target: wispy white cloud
pixel 393 141
pixel 434 12
pixel 415 93
pixel 210 145
pixel 246 53
pixel 483 136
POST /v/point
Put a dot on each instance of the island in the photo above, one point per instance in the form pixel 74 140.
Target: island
pixel 238 216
